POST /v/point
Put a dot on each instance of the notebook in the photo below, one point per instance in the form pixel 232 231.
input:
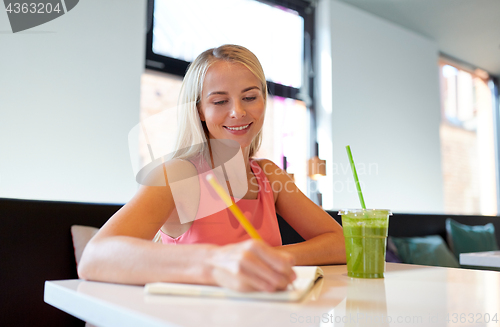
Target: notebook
pixel 306 277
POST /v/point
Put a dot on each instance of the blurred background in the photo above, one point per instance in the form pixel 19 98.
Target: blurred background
pixel 411 86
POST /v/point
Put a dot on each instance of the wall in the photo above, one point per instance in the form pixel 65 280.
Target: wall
pixel 69 94
pixel 379 94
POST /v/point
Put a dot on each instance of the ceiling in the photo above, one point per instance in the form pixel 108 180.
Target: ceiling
pixel 467 30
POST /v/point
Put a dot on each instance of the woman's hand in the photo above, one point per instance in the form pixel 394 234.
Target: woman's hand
pixel 251 266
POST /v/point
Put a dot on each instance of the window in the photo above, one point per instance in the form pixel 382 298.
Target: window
pixel 468 141
pixel 180 30
pixel 285 134
pixel 184 29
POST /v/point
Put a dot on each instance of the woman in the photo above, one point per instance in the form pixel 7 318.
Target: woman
pixel 223 98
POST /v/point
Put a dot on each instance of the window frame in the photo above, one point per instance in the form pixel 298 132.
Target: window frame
pixel 493 81
pixel 179 67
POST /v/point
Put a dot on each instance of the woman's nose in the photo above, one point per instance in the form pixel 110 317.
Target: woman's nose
pixel 238 110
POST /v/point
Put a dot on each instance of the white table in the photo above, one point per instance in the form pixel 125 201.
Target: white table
pixel 481 259
pixel 409 295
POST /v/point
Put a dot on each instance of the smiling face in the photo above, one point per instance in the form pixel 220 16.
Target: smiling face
pixel 232 103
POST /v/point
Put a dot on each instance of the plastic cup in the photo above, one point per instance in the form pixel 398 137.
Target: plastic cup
pixel 365 234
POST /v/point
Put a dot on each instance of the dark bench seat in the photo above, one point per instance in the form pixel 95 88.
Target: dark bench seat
pixel 36 245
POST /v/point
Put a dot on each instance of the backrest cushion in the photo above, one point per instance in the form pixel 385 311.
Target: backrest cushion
pixel 428 250
pixel 464 238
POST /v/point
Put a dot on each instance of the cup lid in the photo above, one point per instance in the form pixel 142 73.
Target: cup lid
pixel 361 211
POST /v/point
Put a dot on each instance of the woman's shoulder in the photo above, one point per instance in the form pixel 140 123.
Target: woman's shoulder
pixel 268 166
pixel 180 169
pixel 168 172
pixel 168 181
pixel 272 171
pixel 275 175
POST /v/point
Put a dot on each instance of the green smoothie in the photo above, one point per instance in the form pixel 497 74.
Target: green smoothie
pixel 365 233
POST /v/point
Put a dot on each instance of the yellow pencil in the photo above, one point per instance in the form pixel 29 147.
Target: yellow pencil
pixel 236 211
pixel 234 208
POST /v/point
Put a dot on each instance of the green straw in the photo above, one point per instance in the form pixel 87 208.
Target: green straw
pixel 348 148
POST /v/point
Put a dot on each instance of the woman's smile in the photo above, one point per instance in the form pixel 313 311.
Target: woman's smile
pixel 238 130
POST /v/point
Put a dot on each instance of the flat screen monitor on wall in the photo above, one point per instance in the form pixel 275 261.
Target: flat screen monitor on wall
pixel 180 30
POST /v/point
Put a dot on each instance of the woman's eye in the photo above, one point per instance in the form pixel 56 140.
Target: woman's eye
pixel 249 98
pixel 218 103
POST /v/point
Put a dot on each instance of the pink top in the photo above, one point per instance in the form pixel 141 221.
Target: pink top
pixel 222 227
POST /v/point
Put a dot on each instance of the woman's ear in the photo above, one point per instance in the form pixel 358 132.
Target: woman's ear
pixel 200 112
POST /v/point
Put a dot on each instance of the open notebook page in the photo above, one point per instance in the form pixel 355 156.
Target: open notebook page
pixel 306 277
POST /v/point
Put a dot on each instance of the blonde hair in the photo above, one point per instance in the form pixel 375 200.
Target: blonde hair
pixel 192 139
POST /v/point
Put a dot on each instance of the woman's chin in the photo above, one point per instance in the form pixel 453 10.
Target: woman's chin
pixel 243 140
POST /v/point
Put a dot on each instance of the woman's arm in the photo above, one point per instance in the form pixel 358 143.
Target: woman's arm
pixel 324 237
pixel 122 252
